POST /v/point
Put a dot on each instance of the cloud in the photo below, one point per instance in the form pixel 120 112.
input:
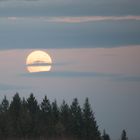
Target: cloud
pixel 64 74
pixel 69 19
pixel 90 19
pixel 69 7
pixel 68 32
pixel 77 74
pixel 129 78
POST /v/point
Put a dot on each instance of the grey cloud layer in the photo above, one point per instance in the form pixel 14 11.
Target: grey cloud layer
pixel 69 8
pixel 64 74
pixel 77 74
pixel 95 23
pixel 37 34
pixel 71 19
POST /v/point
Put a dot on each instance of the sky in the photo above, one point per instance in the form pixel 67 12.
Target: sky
pixel 95 51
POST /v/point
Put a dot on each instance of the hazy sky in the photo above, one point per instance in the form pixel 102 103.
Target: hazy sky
pixel 95 49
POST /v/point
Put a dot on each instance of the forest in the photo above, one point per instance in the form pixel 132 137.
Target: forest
pixel 26 119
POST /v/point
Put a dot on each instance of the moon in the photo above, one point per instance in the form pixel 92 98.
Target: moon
pixel 38 61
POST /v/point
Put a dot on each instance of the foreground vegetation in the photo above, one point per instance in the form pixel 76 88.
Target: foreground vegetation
pixel 26 119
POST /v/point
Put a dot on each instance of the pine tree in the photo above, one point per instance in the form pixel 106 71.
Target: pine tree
pixel 24 119
pixel 46 106
pixel 4 117
pixel 90 130
pixel 55 112
pixel 32 105
pixel 123 136
pixel 55 117
pixel 105 136
pixel 65 117
pixel 76 119
pixel 46 116
pixel 15 105
pixel 15 110
pixel 33 109
pixel 4 105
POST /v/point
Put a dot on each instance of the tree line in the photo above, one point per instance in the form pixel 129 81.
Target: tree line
pixel 27 119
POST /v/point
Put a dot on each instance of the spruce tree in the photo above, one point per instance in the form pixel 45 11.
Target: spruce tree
pixel 32 105
pixel 65 117
pixel 55 117
pixel 46 106
pixel 15 105
pixel 25 120
pixel 4 117
pixel 105 136
pixel 55 112
pixel 76 119
pixel 4 105
pixel 90 129
pixel 123 135
pixel 46 116
pixel 33 109
pixel 15 110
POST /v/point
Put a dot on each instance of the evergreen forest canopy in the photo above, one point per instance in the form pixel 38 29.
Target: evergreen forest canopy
pixel 26 119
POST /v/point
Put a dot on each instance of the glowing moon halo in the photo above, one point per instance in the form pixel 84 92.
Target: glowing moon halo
pixel 38 61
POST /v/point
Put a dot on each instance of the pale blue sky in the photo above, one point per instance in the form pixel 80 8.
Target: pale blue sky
pixel 95 48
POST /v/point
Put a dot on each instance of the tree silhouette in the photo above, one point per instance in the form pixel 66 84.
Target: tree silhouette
pixel 32 105
pixel 15 106
pixel 33 109
pixel 65 117
pixel 55 117
pixel 15 111
pixel 123 136
pixel 26 119
pixel 46 116
pixel 105 136
pixel 4 105
pixel 76 118
pixel 90 126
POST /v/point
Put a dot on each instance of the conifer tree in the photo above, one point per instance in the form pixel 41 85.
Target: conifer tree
pixel 123 135
pixel 25 120
pixel 15 105
pixel 55 112
pixel 46 116
pixel 33 109
pixel 46 106
pixel 55 116
pixel 65 117
pixel 4 105
pixel 4 116
pixel 105 136
pixel 15 110
pixel 32 104
pixel 90 130
pixel 76 118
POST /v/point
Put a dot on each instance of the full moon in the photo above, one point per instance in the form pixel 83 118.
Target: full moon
pixel 38 61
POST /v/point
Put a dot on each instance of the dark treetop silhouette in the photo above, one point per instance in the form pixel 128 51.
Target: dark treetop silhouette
pixel 26 119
